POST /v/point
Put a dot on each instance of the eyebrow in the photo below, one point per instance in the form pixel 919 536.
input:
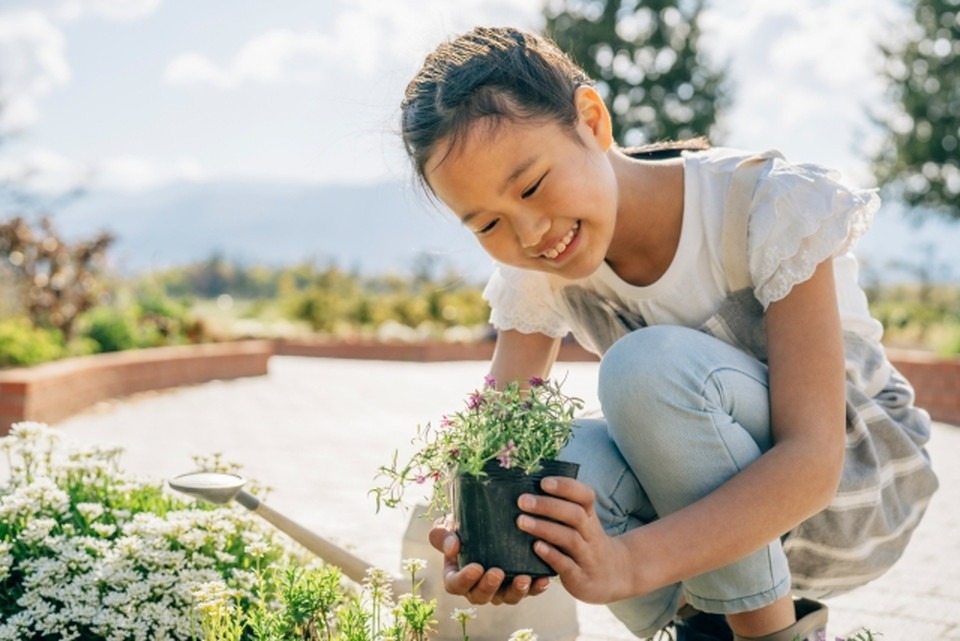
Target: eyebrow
pixel 516 173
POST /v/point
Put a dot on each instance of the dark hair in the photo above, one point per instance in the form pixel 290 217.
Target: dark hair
pixel 490 72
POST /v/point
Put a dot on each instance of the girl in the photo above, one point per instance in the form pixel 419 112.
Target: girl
pixel 756 444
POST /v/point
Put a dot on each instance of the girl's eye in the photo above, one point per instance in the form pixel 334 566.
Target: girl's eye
pixel 488 227
pixel 533 188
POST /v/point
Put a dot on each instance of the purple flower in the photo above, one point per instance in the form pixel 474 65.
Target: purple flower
pixel 475 400
pixel 536 381
pixel 489 381
pixel 504 457
pixel 421 479
pixel 446 422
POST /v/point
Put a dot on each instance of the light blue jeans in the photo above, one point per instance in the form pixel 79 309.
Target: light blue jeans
pixel 682 413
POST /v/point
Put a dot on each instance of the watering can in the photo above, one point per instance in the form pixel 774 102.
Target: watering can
pixel 552 615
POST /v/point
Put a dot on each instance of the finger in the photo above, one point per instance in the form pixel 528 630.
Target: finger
pixel 557 534
pixel 516 591
pixel 561 510
pixel 461 582
pixel 439 536
pixel 560 562
pixel 486 588
pixel 539 586
pixel 569 489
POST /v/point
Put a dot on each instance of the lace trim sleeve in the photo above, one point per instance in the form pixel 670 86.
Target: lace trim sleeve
pixel 522 300
pixel 802 215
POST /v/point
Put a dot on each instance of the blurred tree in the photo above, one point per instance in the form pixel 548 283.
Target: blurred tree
pixel 644 57
pixel 56 280
pixel 918 162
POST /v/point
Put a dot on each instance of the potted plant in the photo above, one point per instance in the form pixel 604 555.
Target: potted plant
pixel 481 459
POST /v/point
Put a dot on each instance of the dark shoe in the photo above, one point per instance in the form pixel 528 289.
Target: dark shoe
pixel 811 624
pixel 691 624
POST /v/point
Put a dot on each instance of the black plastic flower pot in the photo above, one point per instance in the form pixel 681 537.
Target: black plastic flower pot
pixel 486 511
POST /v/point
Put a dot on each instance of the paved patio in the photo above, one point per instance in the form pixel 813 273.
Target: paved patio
pixel 316 430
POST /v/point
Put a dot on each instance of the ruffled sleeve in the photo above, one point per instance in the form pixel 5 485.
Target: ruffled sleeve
pixel 523 300
pixel 801 215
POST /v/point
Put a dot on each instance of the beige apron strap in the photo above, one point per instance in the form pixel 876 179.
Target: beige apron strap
pixel 736 219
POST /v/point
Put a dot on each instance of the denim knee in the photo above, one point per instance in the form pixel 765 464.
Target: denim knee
pixel 644 373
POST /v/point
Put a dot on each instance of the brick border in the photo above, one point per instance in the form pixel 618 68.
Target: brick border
pixel 53 391
pixel 935 379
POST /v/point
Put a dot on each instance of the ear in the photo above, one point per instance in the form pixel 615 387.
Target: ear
pixel 593 114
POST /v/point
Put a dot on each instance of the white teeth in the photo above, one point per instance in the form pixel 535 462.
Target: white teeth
pixel 564 242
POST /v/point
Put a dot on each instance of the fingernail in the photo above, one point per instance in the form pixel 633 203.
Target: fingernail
pixel 526 502
pixel 524 522
pixel 448 545
pixel 492 580
pixel 548 483
pixel 522 585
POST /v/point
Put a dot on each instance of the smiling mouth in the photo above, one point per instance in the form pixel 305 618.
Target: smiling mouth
pixel 561 246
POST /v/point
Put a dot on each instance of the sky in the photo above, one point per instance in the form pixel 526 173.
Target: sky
pixel 130 95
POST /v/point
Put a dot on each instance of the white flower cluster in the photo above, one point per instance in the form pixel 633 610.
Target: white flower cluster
pixel 87 553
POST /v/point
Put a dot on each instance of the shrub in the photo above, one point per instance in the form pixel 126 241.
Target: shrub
pixel 23 344
pixel 112 329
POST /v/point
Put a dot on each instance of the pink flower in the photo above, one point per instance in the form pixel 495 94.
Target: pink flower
pixel 475 400
pixel 504 457
pixel 446 422
pixel 536 381
pixel 489 381
pixel 421 479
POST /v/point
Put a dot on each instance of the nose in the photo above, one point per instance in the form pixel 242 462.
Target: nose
pixel 530 228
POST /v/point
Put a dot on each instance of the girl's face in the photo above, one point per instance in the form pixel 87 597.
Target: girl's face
pixel 536 194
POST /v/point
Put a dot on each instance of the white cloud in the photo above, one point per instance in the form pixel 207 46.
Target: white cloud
pixel 366 36
pixel 120 10
pixel 32 62
pixel 43 170
pixel 133 173
pixel 277 56
pixel 192 68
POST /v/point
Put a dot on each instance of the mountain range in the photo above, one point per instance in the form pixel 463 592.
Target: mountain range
pixel 379 228
pixel 373 229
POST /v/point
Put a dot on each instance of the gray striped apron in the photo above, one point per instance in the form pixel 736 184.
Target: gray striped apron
pixel 887 479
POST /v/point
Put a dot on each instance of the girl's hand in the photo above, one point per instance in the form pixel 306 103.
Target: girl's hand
pixel 593 566
pixel 479 586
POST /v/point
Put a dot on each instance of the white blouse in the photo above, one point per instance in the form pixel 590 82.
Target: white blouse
pixel 800 215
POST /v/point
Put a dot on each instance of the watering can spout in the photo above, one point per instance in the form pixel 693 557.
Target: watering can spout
pixel 221 488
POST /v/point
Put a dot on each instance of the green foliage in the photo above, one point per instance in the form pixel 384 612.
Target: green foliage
pixel 297 603
pixel 113 330
pixel 151 321
pixel 922 316
pixel 644 56
pixel 23 344
pixel 333 301
pixel 336 300
pixel 517 427
pixel 919 161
